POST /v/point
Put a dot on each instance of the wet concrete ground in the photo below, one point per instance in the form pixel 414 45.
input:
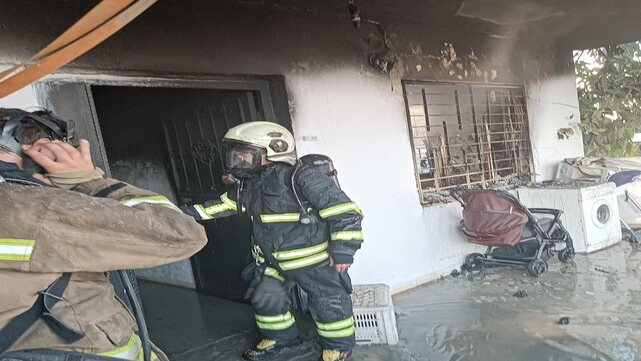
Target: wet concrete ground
pixel 470 317
pixel 478 318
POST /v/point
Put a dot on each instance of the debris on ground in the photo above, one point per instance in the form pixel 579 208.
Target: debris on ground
pixel 520 294
pixel 602 270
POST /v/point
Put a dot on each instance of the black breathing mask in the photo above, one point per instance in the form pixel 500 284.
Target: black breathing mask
pixel 58 129
pixel 243 160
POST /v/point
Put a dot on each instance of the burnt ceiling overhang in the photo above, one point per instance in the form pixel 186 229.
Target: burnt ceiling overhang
pixel 574 24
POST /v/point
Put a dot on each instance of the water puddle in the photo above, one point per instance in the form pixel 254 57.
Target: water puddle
pixel 480 318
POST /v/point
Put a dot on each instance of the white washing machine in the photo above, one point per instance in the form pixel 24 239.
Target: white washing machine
pixel 590 212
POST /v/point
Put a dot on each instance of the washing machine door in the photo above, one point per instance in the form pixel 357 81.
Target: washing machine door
pixel 602 213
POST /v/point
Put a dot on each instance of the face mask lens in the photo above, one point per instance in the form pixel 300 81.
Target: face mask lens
pixel 241 160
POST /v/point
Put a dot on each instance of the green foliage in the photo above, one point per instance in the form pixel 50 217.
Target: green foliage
pixel 609 87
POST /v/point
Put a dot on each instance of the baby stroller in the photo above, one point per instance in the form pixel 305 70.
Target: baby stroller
pixel 511 232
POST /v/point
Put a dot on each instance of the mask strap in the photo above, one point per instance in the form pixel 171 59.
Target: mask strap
pixel 6 138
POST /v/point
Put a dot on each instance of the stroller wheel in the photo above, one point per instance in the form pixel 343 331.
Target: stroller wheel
pixel 474 261
pixel 537 267
pixel 567 254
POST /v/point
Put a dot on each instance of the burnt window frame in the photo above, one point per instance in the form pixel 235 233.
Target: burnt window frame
pixel 470 113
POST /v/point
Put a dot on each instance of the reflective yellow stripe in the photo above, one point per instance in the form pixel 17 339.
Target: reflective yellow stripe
pixel 278 322
pixel 17 242
pixel 278 318
pixel 337 334
pixel 347 236
pixel 230 203
pixel 130 351
pixel 218 208
pixel 282 217
pixel 158 199
pixel 304 262
pixel 271 272
pixel 13 249
pixel 14 257
pixel 339 209
pixel 275 326
pixel 207 212
pixel 201 211
pixel 342 328
pixel 302 252
pixel 338 325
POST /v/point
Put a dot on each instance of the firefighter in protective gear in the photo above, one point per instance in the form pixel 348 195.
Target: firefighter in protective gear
pixel 315 253
pixel 64 230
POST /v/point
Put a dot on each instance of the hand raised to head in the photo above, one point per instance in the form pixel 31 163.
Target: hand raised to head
pixel 57 157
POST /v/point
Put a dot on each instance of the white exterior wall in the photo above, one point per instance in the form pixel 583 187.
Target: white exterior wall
pixel 553 104
pixel 24 98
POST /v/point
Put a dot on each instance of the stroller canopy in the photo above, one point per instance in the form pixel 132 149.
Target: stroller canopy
pixel 492 220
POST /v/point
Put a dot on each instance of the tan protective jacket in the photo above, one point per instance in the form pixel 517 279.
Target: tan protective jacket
pixel 45 231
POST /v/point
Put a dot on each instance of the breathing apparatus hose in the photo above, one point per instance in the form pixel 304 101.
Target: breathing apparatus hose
pixel 138 315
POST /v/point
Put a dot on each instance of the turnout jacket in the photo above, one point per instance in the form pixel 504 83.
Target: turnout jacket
pixel 278 234
pixel 46 231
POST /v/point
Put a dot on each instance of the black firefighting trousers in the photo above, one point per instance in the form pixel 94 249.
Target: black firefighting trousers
pixel 329 302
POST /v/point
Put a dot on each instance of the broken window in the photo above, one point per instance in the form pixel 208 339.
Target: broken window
pixel 467 135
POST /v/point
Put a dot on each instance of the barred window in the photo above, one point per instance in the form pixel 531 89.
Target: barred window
pixel 467 135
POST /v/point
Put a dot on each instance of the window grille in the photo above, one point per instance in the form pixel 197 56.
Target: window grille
pixel 467 135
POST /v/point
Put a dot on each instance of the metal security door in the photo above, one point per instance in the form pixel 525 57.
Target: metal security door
pixel 195 151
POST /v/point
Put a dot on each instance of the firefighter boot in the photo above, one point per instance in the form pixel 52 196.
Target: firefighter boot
pixel 267 348
pixel 335 355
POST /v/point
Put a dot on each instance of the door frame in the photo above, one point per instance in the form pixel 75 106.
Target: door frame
pixel 174 80
pixel 270 87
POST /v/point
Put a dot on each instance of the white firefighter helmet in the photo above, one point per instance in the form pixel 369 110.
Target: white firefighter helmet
pixel 253 139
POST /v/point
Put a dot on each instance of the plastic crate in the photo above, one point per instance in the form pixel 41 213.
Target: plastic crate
pixel 374 315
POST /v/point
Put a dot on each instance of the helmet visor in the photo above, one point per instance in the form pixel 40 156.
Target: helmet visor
pixel 242 159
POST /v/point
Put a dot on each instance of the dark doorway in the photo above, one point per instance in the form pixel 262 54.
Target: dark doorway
pixel 168 140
